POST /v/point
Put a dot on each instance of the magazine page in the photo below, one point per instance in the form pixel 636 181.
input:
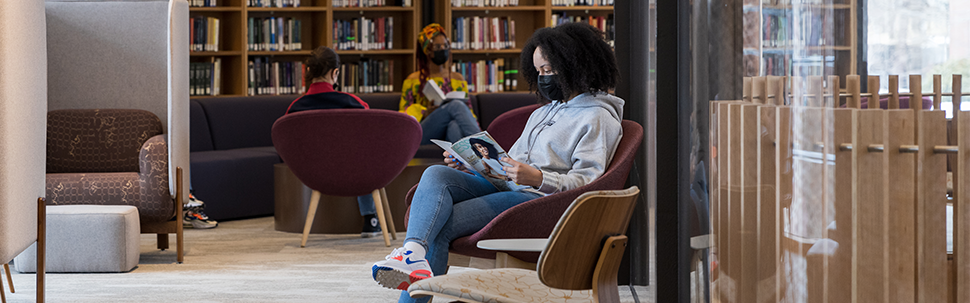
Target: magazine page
pixel 480 153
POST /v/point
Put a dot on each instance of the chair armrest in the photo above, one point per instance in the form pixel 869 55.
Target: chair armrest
pixel 533 245
pixel 153 175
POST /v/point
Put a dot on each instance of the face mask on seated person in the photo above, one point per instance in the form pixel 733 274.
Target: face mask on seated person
pixel 440 56
pixel 549 87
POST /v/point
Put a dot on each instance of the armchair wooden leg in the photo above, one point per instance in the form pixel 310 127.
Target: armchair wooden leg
pixel 6 268
pixel 162 241
pixel 387 214
pixel 380 215
pixel 179 247
pixel 604 276
pixel 41 247
pixel 3 296
pixel 314 202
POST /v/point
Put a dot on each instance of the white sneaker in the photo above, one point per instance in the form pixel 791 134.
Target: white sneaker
pixel 399 270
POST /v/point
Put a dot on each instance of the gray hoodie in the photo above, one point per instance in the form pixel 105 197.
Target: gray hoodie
pixel 572 142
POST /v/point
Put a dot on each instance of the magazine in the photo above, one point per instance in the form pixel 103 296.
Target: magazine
pixel 480 154
pixel 438 97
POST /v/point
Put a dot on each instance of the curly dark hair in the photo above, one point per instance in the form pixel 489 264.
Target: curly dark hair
pixel 579 55
pixel 322 60
pixel 492 152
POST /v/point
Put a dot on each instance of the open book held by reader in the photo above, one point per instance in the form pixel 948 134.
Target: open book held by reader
pixel 438 97
pixel 481 155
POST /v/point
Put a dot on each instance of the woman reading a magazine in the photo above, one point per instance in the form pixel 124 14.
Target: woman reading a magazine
pixel 565 144
pixel 486 151
pixel 322 70
pixel 451 120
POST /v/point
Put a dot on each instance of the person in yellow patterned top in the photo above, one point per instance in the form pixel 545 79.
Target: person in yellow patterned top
pixel 452 120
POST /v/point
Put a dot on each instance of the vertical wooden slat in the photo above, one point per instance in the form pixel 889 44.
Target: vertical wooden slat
pixel 840 265
pixel 783 191
pixel 937 91
pixel 797 91
pixel 731 214
pixel 961 209
pixel 893 92
pixel 816 89
pixel 750 132
pixel 746 90
pixel 715 202
pixel 870 234
pixel 758 94
pixel 852 86
pixel 782 89
pixel 874 90
pixel 835 91
pixel 916 88
pixel 902 196
pixel 931 207
pixel 767 203
pixel 810 213
pixel 957 93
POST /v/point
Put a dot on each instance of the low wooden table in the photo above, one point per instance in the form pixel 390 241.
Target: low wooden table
pixel 337 215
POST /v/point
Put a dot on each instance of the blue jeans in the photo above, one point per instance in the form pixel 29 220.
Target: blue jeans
pixel 366 205
pixel 449 204
pixel 451 121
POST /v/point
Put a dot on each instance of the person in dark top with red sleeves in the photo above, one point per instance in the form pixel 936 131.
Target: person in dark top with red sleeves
pixel 322 69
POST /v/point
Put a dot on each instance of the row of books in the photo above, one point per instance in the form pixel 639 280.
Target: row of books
pixel 274 34
pixel 204 34
pixel 273 3
pixel 202 3
pixel 581 2
pixel 776 64
pixel 371 3
pixel 366 76
pixel 267 77
pixel 789 2
pixel 364 34
pixel 483 33
pixel 488 75
pixel 814 29
pixel 604 23
pixel 484 3
pixel 205 78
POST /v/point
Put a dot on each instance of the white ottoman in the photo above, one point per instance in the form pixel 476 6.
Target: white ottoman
pixel 87 238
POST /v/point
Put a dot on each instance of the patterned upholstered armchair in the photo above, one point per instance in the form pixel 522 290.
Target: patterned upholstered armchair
pixel 111 157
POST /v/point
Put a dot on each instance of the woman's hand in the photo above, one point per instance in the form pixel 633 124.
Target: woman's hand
pixel 452 161
pixel 521 173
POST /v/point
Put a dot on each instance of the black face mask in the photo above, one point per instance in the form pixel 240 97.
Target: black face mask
pixel 549 88
pixel 440 56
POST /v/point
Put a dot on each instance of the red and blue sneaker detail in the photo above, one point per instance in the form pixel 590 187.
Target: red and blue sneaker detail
pixel 400 269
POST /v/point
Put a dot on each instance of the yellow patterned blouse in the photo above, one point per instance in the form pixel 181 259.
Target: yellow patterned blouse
pixel 415 104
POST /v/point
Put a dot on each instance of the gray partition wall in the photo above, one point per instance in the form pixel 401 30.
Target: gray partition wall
pixel 123 54
pixel 23 122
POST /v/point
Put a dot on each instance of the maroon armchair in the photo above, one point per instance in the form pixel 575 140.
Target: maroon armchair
pixel 347 152
pixel 113 157
pixel 536 218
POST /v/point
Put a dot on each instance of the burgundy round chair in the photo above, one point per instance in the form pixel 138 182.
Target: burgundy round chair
pixel 347 152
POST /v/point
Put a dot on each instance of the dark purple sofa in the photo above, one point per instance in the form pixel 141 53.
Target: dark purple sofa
pixel 232 153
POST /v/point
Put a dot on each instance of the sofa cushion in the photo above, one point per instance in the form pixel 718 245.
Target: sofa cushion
pixel 491 106
pixel 200 138
pixel 239 122
pixel 382 101
pixel 235 184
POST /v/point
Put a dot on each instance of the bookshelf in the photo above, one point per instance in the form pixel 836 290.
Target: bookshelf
pixel 800 37
pixel 528 16
pixel 315 28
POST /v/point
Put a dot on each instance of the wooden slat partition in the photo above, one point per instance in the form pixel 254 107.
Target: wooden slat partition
pixel 852 86
pixel 816 89
pixel 902 194
pixel 784 178
pixel 916 88
pixel 839 188
pixel 746 89
pixel 834 90
pixel 930 207
pixel 758 90
pixel 748 248
pixel 776 90
pixel 874 90
pixel 715 194
pixel 937 91
pixel 870 208
pixel 961 207
pixel 768 230
pixel 732 238
pixel 893 92
pixel 809 161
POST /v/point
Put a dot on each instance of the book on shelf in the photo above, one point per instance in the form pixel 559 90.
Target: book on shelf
pixel 267 77
pixel 480 33
pixel 372 3
pixel 205 78
pixel 273 3
pixel 364 33
pixel 202 3
pixel 438 97
pixel 480 154
pixel 274 34
pixel 204 34
pixel 582 2
pixel 605 24
pixel 484 3
pixel 366 76
pixel 488 75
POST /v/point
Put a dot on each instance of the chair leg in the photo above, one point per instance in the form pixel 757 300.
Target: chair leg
pixel 41 247
pixel 179 244
pixel 162 241
pixel 387 214
pixel 3 296
pixel 6 268
pixel 380 215
pixel 605 289
pixel 314 202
